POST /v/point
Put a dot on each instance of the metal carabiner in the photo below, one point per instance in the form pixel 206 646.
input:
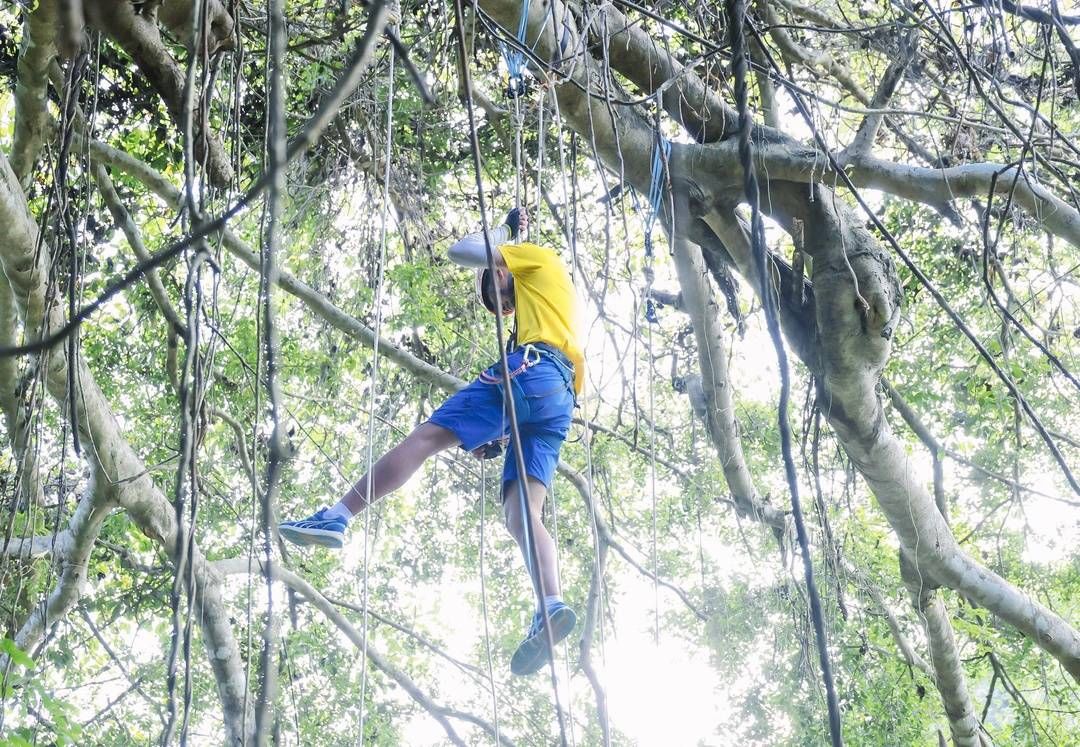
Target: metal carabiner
pixel 525 361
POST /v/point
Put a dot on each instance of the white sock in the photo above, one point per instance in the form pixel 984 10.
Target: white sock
pixel 339 511
pixel 548 601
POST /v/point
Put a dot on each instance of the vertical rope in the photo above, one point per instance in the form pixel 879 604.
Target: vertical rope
pixel 736 10
pixel 268 277
pixel 515 433
pixel 651 318
pixel 185 485
pixel 661 150
pixel 558 572
pixel 569 191
pixel 483 601
pixel 375 380
pixel 570 198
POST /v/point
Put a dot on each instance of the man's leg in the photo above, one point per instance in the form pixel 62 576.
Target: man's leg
pixel 545 545
pixel 533 652
pixel 327 526
pixel 396 466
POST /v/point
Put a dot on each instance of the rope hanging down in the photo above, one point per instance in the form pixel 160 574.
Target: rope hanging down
pixel 373 386
pixel 736 11
pixel 515 433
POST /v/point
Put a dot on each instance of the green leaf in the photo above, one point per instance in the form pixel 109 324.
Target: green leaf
pixel 16 654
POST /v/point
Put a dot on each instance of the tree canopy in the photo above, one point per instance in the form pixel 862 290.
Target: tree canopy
pixel 224 291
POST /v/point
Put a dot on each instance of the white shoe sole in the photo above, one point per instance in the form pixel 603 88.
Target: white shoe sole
pixel 320 537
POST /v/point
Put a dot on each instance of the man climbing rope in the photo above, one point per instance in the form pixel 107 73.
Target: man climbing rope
pixel 546 369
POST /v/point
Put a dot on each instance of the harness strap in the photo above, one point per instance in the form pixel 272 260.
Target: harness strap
pixel 527 362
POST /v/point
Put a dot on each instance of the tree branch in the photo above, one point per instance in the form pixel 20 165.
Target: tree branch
pixel 33 547
pixel 139 36
pixel 9 401
pixel 235 566
pixel 863 142
pixel 71 553
pixel 31 116
pixel 112 457
pixel 944 655
pixel 719 415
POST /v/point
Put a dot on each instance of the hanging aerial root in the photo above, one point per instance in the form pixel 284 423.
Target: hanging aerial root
pixel 112 456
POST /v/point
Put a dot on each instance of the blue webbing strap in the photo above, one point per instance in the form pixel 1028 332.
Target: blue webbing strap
pixel 661 153
pixel 515 58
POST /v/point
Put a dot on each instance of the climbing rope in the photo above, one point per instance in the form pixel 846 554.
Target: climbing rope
pixel 515 433
pixel 661 153
pixel 736 10
pixel 658 170
pixel 483 601
pixel 570 230
pixel 374 383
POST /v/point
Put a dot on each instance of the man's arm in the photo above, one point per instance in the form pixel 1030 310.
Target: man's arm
pixel 471 251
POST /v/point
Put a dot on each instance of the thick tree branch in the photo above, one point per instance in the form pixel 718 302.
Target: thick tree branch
pixel 31 116
pixel 633 52
pixel 32 547
pixel 950 678
pixel 139 36
pixel 719 415
pixel 933 187
pixel 71 553
pixel 124 221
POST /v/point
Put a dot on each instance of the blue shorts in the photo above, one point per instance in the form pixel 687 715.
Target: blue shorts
pixel 543 398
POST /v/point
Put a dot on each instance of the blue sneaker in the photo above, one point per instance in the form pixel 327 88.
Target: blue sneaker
pixel 315 530
pixel 533 652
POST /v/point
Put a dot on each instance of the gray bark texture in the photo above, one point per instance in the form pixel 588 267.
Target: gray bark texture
pixel 31 117
pixel 70 554
pixel 948 669
pixel 843 337
pixel 111 455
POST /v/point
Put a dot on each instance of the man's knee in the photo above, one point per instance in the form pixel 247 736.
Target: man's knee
pixel 430 439
pixel 513 504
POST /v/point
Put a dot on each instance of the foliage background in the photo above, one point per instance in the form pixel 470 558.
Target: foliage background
pixel 737 664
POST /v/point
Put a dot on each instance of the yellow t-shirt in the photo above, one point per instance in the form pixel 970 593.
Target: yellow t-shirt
pixel 545 303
